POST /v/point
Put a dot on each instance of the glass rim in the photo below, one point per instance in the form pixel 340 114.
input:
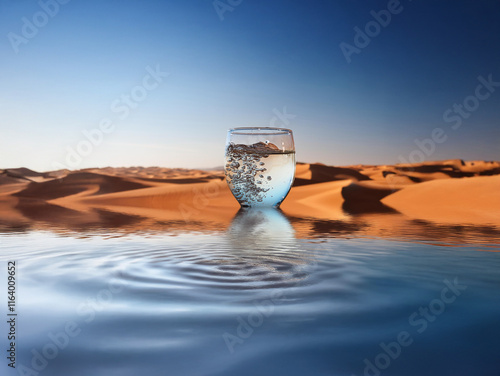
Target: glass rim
pixel 254 131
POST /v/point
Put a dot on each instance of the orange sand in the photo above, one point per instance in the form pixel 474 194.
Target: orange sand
pixel 367 200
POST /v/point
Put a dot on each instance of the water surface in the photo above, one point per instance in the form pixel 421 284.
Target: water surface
pixel 270 295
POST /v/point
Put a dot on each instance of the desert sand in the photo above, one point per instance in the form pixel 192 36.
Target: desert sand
pixel 451 201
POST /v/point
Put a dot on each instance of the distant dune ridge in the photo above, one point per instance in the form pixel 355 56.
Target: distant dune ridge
pixel 451 192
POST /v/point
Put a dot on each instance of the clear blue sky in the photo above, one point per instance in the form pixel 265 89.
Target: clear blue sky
pixel 69 73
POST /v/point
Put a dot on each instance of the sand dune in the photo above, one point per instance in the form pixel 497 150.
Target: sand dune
pixel 321 200
pixel 319 173
pixel 79 182
pixel 9 185
pixel 388 201
pixel 22 173
pixel 368 191
pixel 473 200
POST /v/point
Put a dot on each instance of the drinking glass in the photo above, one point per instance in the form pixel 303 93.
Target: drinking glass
pixel 260 165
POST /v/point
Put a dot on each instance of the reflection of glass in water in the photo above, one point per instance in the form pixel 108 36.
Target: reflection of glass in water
pixel 261 229
pixel 264 242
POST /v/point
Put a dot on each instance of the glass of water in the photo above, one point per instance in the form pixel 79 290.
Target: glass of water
pixel 260 165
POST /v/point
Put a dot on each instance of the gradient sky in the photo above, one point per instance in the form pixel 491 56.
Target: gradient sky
pixel 262 58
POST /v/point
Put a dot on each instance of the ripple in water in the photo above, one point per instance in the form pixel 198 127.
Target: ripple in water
pixel 259 251
pixel 179 295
